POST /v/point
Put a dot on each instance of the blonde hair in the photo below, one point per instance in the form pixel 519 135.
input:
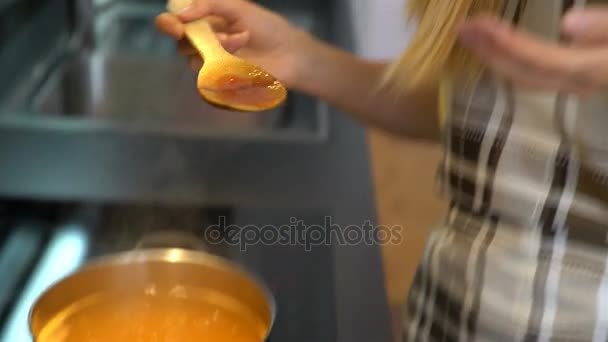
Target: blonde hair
pixel 435 52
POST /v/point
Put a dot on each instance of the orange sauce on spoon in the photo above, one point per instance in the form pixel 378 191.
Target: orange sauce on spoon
pixel 255 90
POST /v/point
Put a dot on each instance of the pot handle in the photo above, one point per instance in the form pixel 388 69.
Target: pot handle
pixel 171 239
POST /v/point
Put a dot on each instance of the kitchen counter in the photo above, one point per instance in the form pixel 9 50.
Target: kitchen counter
pixel 328 172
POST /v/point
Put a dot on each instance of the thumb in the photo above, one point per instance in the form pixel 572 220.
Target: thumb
pixel 587 26
pixel 228 9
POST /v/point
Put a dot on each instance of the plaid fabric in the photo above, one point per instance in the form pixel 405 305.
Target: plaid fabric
pixel 522 254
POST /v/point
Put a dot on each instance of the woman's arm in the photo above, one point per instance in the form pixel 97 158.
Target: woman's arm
pixel 309 65
pixel 349 83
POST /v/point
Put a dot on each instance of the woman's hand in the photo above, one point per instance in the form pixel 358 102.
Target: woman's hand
pixel 579 66
pixel 246 30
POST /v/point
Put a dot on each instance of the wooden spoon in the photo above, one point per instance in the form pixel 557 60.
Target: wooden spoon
pixel 226 80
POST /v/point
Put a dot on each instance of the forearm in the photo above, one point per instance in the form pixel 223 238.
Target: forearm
pixel 349 83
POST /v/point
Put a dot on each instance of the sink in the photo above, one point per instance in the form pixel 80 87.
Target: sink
pixel 116 89
pixel 102 107
pixel 128 77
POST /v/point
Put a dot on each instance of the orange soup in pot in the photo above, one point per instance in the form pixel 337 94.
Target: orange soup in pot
pixel 177 315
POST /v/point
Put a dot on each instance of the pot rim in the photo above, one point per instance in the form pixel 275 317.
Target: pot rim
pixel 165 255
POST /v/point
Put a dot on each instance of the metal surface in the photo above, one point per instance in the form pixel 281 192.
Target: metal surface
pixel 301 280
pixel 137 91
pixel 17 254
pixel 164 269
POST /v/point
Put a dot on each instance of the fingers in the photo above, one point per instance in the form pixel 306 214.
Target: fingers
pixel 587 26
pixel 231 42
pixel 170 25
pixel 218 24
pixel 228 9
pixel 185 48
pixel 498 40
pixel 195 63
pixel 526 60
pixel 219 13
pixel 234 42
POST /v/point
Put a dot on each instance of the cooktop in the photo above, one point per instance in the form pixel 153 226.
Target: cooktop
pixel 39 246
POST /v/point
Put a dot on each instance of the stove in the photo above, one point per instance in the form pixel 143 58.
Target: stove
pixel 41 243
pixel 303 285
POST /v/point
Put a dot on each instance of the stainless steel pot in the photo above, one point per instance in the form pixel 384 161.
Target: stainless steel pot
pixel 135 270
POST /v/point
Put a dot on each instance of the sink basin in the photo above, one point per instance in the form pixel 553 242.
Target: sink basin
pixel 129 77
pixel 147 92
pixel 101 107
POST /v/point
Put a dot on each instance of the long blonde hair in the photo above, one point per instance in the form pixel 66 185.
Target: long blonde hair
pixel 435 52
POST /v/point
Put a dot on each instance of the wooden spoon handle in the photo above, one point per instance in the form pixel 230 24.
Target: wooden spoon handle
pixel 204 40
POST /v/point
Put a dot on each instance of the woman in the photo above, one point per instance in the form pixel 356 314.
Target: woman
pixel 522 253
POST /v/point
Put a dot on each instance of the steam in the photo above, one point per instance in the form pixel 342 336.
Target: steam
pixel 154 226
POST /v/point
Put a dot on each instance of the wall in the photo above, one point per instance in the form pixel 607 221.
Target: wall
pixel 380 28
